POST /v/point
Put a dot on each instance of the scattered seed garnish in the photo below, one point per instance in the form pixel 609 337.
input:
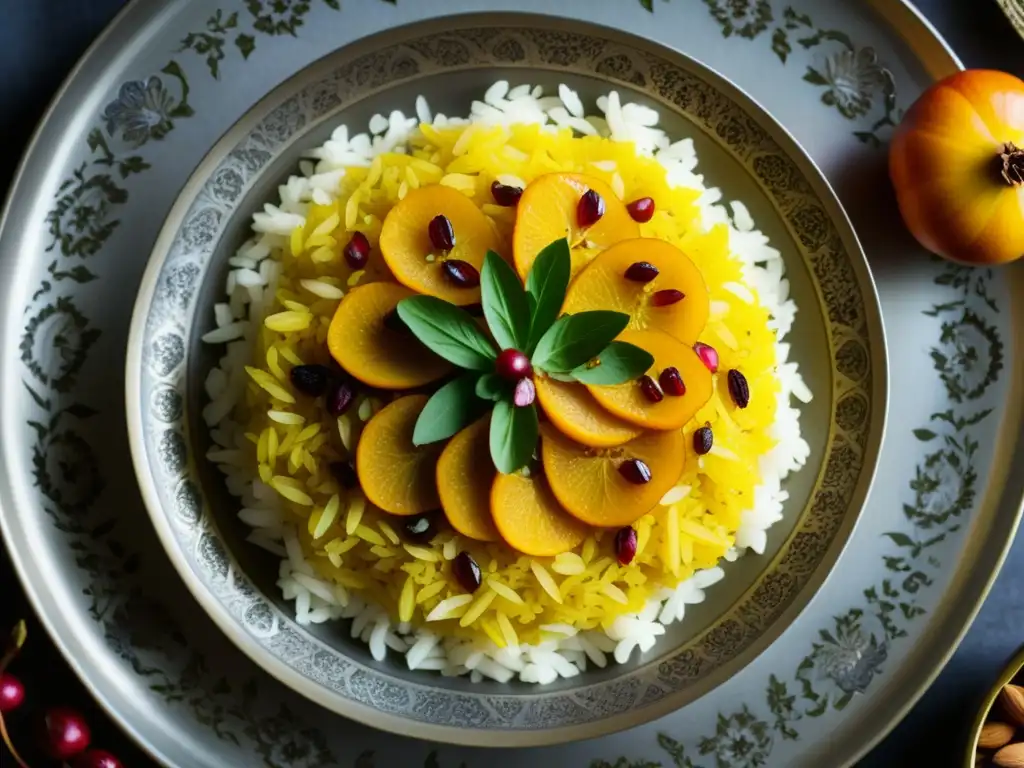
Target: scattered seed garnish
pixel 512 365
pixel 340 398
pixel 703 439
pixel 708 355
pixel 345 474
pixel 625 545
pixel 641 209
pixel 460 273
pixel 671 382
pixel 419 528
pixel 635 471
pixel 641 272
pixel 666 297
pixel 650 389
pixel 739 389
pixel 525 393
pixel 466 571
pixel 442 236
pixel 357 251
pixel 589 209
pixel 505 194
pixel 310 379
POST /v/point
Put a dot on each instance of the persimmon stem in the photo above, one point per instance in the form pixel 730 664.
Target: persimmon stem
pixel 1012 161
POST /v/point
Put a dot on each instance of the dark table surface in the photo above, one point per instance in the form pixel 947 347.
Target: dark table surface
pixel 40 40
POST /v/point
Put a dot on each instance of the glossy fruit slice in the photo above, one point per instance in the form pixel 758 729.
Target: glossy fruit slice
pixel 464 478
pixel 628 402
pixel 590 486
pixel 604 285
pixel 529 518
pixel 416 262
pixel 396 475
pixel 575 413
pixel 362 343
pixel 547 211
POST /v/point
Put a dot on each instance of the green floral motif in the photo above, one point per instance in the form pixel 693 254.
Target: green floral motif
pixel 60 336
pixel 746 18
pixel 210 43
pixel 741 740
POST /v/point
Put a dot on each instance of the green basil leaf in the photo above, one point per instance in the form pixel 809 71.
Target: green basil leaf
pixel 505 305
pixel 448 410
pixel 618 363
pixel 513 436
pixel 546 286
pixel 575 339
pixel 491 386
pixel 448 331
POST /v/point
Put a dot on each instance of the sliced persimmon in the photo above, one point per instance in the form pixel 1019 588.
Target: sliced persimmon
pixel 397 476
pixel 362 343
pixel 547 212
pixel 590 487
pixel 414 260
pixel 575 413
pixel 628 402
pixel 464 478
pixel 529 518
pixel 675 301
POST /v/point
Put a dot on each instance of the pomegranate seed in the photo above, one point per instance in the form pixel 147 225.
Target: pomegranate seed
pixel 667 297
pixel 506 194
pixel 525 393
pixel 466 571
pixel 420 528
pixel 512 365
pixel 625 545
pixel 703 439
pixel 357 251
pixel 708 355
pixel 461 273
pixel 340 398
pixel 394 322
pixel 739 389
pixel 641 272
pixel 635 471
pixel 345 474
pixel 442 236
pixel 12 693
pixel 96 758
pixel 641 209
pixel 65 733
pixel 672 383
pixel 589 209
pixel 650 389
pixel 310 379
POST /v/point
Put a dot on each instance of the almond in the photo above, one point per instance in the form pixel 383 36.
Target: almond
pixel 995 735
pixel 1011 698
pixel 1011 756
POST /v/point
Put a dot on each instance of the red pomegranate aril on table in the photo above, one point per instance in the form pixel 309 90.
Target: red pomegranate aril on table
pixel 589 209
pixel 12 693
pixel 357 251
pixel 461 273
pixel 635 471
pixel 442 235
pixel 625 545
pixel 467 572
pixel 708 355
pixel 649 388
pixel 505 194
pixel 641 272
pixel 96 758
pixel 666 297
pixel 512 365
pixel 671 382
pixel 65 733
pixel 641 209
pixel 340 398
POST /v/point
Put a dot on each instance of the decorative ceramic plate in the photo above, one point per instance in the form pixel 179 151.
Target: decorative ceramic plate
pixel 1014 10
pixel 135 119
pixel 837 341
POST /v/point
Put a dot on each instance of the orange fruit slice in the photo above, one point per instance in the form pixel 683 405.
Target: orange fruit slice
pixel 362 344
pixel 547 212
pixel 464 478
pixel 590 487
pixel 603 285
pixel 528 516
pixel 627 401
pixel 411 256
pixel 574 412
pixel 397 476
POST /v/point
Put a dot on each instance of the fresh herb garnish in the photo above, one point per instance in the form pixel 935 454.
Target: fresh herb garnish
pixel 577 347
